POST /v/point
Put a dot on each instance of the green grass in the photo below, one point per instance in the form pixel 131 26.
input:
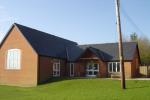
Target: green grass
pixel 80 89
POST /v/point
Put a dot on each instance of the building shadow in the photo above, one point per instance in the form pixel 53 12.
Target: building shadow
pixel 138 87
pixel 58 79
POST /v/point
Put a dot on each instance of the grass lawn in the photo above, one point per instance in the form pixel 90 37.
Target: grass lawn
pixel 80 89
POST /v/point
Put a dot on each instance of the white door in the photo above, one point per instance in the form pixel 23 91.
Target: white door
pixel 92 70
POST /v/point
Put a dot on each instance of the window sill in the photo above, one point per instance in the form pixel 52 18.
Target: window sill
pixel 13 69
pixel 114 72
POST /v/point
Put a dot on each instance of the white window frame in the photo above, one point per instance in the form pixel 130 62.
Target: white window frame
pixel 92 70
pixel 71 68
pixel 56 69
pixel 13 59
pixel 116 69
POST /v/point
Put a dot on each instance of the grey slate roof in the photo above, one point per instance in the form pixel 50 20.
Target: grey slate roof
pixel 74 52
pixel 49 45
pixel 100 54
pixel 109 51
pixel 46 44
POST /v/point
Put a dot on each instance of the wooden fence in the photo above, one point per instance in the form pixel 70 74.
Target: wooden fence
pixel 145 71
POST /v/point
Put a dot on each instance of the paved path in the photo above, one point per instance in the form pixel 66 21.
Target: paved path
pixel 129 79
pixel 139 79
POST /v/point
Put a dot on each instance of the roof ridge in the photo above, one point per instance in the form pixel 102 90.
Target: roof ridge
pixel 43 32
pixel 103 43
pixel 98 52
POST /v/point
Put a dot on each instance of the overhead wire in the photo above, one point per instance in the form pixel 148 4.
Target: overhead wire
pixel 131 21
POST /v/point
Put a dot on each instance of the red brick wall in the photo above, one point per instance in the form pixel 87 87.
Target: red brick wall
pixel 45 70
pixel 135 65
pixel 103 69
pixel 131 67
pixel 27 75
pixel 80 69
pixel 80 66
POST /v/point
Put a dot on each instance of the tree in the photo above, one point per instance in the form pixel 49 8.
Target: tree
pixel 144 47
pixel 134 37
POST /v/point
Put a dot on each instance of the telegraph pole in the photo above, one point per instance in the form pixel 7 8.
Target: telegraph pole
pixel 120 44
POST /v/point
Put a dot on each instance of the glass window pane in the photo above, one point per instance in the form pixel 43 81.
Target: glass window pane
pixel 95 72
pixel 13 59
pixel 110 67
pixel 118 67
pixel 71 69
pixel 54 72
pixel 56 69
pixel 90 72
pixel 90 67
pixel 95 66
pixel 114 67
pixel 58 73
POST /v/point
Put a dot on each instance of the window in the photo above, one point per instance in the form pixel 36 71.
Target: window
pixel 118 67
pixel 13 59
pixel 71 69
pixel 113 66
pixel 56 69
pixel 92 69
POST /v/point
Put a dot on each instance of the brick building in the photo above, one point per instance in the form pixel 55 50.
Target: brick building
pixel 29 57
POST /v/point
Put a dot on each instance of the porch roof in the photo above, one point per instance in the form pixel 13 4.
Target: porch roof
pixel 109 51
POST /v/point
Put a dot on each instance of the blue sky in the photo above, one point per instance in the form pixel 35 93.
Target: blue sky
pixel 83 21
